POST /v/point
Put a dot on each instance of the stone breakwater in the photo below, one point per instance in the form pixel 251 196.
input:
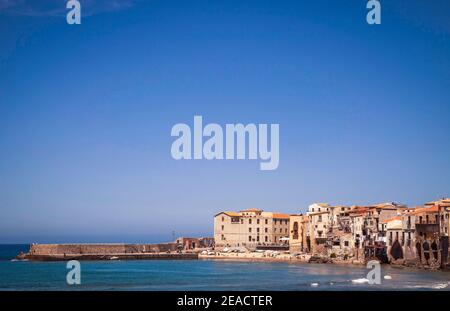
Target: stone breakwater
pixel 59 252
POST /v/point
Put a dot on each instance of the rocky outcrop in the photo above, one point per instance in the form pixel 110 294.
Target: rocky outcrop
pixel 319 259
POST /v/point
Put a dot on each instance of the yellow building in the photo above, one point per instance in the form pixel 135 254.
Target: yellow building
pixel 250 228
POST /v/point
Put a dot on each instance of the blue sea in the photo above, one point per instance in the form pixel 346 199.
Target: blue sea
pixel 161 275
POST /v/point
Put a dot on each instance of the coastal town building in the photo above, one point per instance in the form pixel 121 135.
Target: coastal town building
pixel 299 237
pixel 427 234
pixel 409 234
pixel 444 206
pixel 251 228
pixel 295 235
pixel 357 219
pixel 444 212
pixel 319 215
pixel 340 238
pixel 389 232
pixel 395 238
pixel 417 235
pixel 186 243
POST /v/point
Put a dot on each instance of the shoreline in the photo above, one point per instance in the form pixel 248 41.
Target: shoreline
pixel 287 259
pixel 170 251
pixel 109 257
pixel 304 260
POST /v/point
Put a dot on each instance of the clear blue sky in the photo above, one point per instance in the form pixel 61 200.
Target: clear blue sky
pixel 86 111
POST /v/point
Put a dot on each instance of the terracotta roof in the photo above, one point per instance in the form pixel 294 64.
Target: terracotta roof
pixel 358 210
pixel 392 205
pixel 278 215
pixel 231 214
pixel 444 202
pixel 252 210
pixel 391 219
pixel 430 209
pixel 441 202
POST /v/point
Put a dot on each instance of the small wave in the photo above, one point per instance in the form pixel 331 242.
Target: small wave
pixel 440 286
pixel 314 284
pixel 360 281
pixel 431 286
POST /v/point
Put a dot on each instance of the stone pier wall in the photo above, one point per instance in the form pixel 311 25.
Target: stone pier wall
pixel 53 249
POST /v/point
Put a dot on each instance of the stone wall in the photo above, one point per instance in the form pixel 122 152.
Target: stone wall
pixel 52 249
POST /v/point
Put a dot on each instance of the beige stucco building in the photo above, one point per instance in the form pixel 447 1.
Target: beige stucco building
pixel 250 228
pixel 319 215
pixel 444 211
pixel 299 234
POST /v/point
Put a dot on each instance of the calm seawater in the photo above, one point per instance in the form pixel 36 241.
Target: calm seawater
pixel 204 275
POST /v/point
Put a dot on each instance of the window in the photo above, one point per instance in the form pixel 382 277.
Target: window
pixel 249 229
pixel 267 221
pixel 295 231
pixel 265 230
pixel 346 243
pixel 223 218
pixel 257 230
pixel 257 221
pixel 249 238
pixel 320 218
pixel 265 238
pixel 257 238
pixel 274 221
pixel 223 237
pixel 250 221
pixel 242 221
pixel 223 227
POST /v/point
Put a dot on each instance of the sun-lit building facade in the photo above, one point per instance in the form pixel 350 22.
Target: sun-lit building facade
pixel 250 228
